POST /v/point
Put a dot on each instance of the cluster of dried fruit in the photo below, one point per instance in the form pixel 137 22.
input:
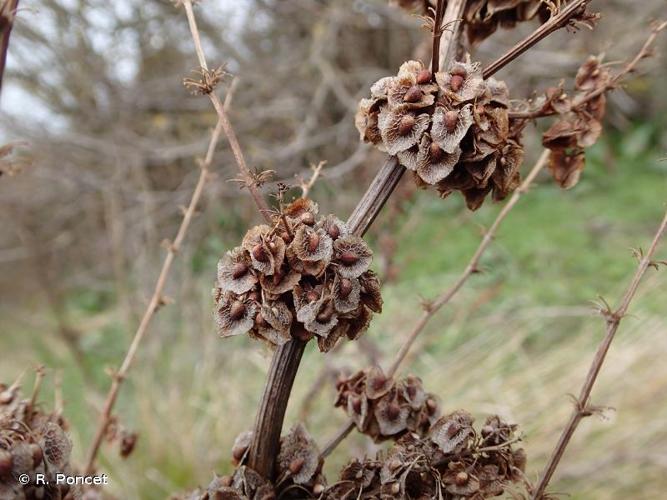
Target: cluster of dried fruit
pixel 483 17
pixel 452 461
pixel 31 442
pixel 299 472
pixel 579 120
pixel 305 276
pixel 451 128
pixel 383 408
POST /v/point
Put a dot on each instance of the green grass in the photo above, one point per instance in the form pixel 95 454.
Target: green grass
pixel 514 341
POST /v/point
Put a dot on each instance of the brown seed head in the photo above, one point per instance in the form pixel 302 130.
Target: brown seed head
pixel 325 314
pixel 395 488
pixel 237 310
pixel 431 406
pixel 6 397
pixel 451 119
pixel 461 478
pixel 296 465
pixel 334 231
pixel 348 258
pixel 238 452
pixel 393 411
pixel 312 296
pixel 424 76
pixel 414 94
pixel 453 429
pixel 277 277
pixel 286 237
pixel 406 124
pixel 318 489
pixel 345 288
pixel 313 242
pixel 259 252
pixel 456 82
pixel 435 152
pixel 308 218
pixel 239 270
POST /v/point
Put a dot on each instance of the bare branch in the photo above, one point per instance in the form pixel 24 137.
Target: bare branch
pixel 582 407
pixel 556 22
pixel 156 301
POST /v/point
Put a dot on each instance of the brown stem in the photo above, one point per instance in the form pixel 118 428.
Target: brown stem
pixel 437 35
pixel 556 22
pixel 248 180
pixel 447 296
pixel 7 14
pixel 154 304
pixel 266 439
pixel 582 408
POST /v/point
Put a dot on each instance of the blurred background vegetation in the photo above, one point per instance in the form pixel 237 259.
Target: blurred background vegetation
pixel 94 91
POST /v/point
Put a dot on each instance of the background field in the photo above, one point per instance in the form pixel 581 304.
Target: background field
pixel 80 253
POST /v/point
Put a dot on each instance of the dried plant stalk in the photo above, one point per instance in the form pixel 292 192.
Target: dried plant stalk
pixel 266 439
pixel 556 22
pixel 449 294
pixel 582 406
pixel 155 302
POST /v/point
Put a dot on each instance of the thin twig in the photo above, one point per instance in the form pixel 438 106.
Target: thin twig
pixel 306 186
pixel 155 302
pixel 447 296
pixel 248 178
pixel 582 406
pixel 556 22
pixel 613 82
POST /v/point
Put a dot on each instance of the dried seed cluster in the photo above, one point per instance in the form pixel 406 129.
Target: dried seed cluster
pixel 384 408
pixel 31 442
pixel 307 276
pixel 452 129
pixel 579 121
pixel 483 17
pixel 453 461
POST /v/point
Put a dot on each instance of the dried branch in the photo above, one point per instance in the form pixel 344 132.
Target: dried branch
pixel 630 67
pixel 447 296
pixel 582 407
pixel 156 301
pixel 7 14
pixel 285 362
pixel 306 186
pixel 248 178
pixel 556 22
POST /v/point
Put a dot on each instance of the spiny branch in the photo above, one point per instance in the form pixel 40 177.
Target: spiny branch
pixel 209 87
pixel 448 295
pixel 582 407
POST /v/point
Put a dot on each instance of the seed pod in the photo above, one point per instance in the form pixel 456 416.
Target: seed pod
pixel 414 94
pixel 6 463
pixel 424 76
pixel 461 478
pixel 456 82
pixel 239 270
pixel 405 125
pixel 345 288
pixel 259 253
pixel 237 310
pixel 296 465
pixel 451 119
pixel 313 242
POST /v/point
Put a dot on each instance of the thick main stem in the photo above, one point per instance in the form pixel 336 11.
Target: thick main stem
pixel 285 362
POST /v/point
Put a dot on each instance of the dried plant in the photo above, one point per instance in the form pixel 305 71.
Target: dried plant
pixel 302 276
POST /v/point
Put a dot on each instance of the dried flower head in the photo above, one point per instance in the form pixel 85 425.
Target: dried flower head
pixel 452 129
pixel 306 276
